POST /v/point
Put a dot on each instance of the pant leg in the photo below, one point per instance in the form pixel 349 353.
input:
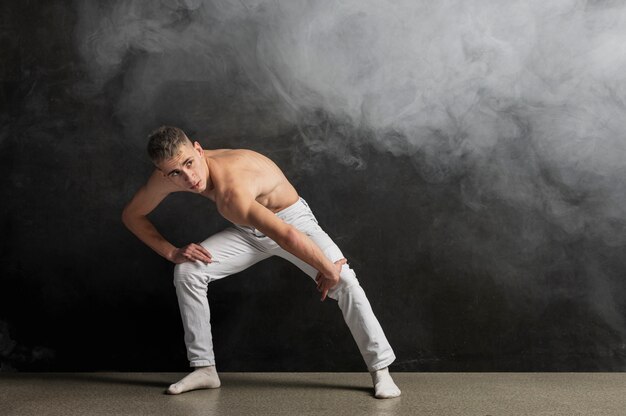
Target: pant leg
pixel 233 251
pixel 356 309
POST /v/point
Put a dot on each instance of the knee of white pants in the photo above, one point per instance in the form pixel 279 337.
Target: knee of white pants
pixel 189 272
pixel 347 280
pixel 347 277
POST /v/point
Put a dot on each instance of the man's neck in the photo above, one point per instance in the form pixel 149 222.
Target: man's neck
pixel 209 178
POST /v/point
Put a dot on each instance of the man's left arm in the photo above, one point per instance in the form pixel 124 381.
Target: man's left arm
pixel 245 210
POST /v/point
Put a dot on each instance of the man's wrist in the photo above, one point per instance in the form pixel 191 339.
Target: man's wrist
pixel 331 271
pixel 170 254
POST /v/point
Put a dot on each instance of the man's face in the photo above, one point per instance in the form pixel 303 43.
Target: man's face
pixel 187 169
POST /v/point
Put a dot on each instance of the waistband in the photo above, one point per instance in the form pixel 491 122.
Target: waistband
pixel 296 206
pixel 284 214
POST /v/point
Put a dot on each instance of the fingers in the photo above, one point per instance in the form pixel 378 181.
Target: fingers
pixel 193 252
pixel 203 254
pixel 204 251
pixel 320 285
pixel 324 284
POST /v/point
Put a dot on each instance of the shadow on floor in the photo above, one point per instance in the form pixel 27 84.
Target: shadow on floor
pixel 146 379
pixel 278 382
pixel 242 381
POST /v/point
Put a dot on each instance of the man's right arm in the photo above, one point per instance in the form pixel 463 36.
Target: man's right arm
pixel 135 217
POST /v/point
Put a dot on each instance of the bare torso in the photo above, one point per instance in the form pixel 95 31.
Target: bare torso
pixel 247 170
pixel 246 187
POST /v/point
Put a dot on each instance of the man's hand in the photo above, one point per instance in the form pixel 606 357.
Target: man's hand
pixel 191 252
pixel 325 283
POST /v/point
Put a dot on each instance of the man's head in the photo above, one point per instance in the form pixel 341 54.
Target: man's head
pixel 164 143
pixel 178 158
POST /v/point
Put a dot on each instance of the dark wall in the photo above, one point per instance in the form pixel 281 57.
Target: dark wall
pixel 468 160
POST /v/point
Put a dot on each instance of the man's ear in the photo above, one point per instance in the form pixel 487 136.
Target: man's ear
pixel 157 168
pixel 197 146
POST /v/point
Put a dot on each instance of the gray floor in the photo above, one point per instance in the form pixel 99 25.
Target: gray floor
pixel 334 394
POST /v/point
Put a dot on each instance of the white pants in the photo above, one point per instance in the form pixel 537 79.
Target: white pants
pixel 236 248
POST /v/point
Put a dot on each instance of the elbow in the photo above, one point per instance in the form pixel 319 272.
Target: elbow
pixel 289 238
pixel 126 217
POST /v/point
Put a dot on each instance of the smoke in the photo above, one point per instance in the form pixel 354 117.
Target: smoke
pixel 520 102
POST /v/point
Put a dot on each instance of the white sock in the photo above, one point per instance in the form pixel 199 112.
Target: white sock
pixel 201 378
pixel 384 387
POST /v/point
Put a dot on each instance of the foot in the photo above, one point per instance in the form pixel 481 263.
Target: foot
pixel 384 387
pixel 201 378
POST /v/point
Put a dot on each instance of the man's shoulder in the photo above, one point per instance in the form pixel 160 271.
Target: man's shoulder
pixel 230 152
pixel 215 152
pixel 233 162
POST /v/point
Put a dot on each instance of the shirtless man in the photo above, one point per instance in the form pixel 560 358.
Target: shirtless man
pixel 269 218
